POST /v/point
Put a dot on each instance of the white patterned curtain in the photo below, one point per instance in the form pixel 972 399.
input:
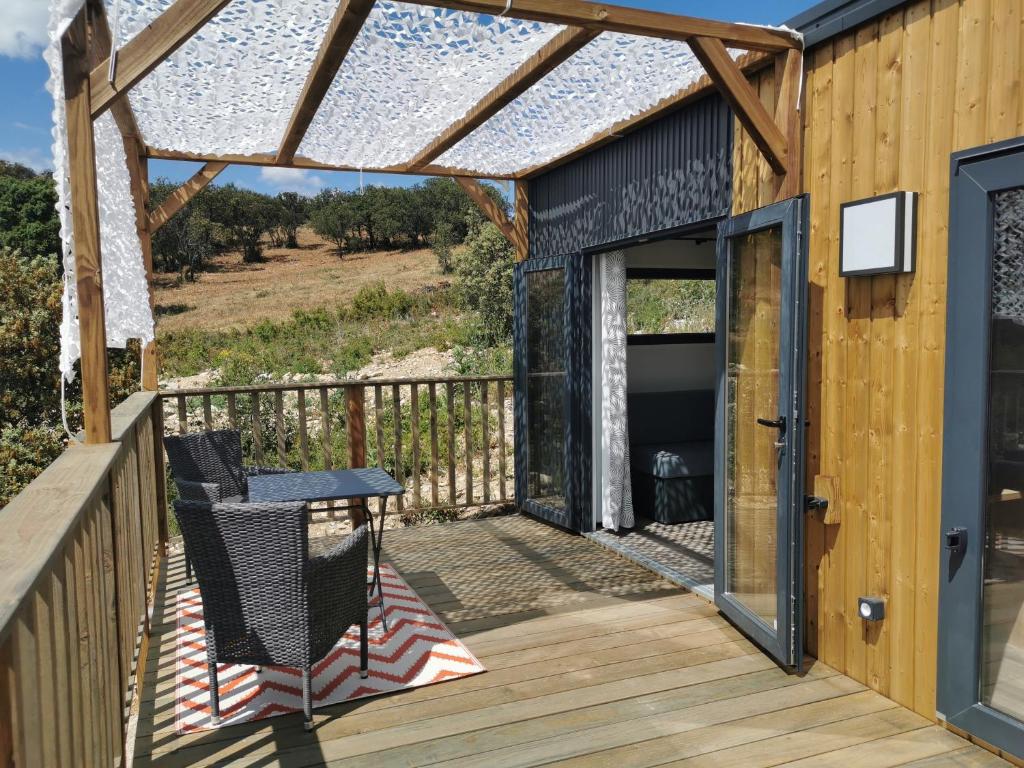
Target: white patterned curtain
pixel 616 488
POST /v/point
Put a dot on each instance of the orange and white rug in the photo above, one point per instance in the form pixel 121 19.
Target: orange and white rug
pixel 417 650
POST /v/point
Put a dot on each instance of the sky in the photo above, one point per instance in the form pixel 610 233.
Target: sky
pixel 25 117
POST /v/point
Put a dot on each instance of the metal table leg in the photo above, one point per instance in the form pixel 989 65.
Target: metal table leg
pixel 376 542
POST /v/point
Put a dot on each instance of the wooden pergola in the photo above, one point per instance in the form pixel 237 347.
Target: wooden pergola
pixel 92 86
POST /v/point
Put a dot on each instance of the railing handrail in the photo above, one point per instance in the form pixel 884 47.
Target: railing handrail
pixel 37 522
pixel 337 384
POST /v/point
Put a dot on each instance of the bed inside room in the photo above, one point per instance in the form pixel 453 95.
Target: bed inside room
pixel 654 373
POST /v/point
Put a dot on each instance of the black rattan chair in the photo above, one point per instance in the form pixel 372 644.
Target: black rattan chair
pixel 207 466
pixel 265 600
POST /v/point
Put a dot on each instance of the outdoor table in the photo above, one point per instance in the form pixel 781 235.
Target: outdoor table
pixel 354 485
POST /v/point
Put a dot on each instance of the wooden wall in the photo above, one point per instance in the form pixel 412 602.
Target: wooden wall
pixel 884 106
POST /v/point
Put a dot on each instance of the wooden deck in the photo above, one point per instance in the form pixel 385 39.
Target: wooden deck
pixel 592 661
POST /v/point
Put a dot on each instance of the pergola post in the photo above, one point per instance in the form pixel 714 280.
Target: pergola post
pixel 521 222
pixel 86 220
pixel 140 193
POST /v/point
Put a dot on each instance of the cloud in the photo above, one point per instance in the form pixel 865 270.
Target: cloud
pixel 23 27
pixel 292 180
pixel 33 157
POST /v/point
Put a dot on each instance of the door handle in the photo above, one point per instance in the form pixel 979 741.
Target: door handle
pixel 779 424
pixel 956 539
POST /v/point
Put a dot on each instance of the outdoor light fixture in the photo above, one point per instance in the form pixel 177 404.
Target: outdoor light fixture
pixel 876 235
pixel 871 608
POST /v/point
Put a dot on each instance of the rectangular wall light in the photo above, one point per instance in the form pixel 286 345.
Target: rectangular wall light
pixel 877 235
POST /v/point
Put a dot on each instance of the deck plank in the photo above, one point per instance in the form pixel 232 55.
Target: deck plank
pixel 591 660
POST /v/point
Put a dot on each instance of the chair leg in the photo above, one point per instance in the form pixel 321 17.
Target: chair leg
pixel 211 666
pixel 364 651
pixel 307 701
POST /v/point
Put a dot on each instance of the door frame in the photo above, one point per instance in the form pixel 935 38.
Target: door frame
pixel 576 408
pixel 974 175
pixel 786 642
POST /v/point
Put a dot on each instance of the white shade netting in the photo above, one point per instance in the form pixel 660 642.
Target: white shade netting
pixel 612 78
pixel 125 290
pixel 412 72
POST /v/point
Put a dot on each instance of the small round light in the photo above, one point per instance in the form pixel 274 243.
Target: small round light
pixel 865 610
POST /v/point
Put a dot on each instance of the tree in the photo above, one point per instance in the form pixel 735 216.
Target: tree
pixel 246 217
pixel 294 213
pixel 484 282
pixel 332 217
pixel 28 216
pixel 187 241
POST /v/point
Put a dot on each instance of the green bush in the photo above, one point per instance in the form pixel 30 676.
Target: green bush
pixel 28 216
pixel 484 283
pixel 24 453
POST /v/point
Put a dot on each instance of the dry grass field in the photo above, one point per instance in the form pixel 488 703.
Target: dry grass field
pixel 234 295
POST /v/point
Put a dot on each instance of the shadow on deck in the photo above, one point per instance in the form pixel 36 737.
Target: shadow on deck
pixel 591 660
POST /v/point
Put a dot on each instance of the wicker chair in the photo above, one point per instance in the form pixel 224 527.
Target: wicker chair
pixel 207 466
pixel 265 600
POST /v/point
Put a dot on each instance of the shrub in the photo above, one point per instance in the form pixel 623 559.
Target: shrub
pixel 484 283
pixel 442 243
pixel 28 217
pixel 375 302
pixel 24 453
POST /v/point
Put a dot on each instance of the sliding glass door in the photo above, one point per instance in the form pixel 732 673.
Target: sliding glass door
pixel 552 373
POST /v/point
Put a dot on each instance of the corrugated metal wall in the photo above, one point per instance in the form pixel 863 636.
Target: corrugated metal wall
pixel 673 172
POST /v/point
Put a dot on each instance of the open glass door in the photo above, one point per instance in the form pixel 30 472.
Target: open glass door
pixel 759 496
pixel 552 419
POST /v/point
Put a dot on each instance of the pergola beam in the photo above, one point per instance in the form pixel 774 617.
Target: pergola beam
pixel 736 90
pixel 529 73
pixel 305 163
pixel 85 216
pixel 180 197
pixel 99 50
pixel 789 70
pixel 490 209
pixel 144 53
pixel 633 21
pixel 348 20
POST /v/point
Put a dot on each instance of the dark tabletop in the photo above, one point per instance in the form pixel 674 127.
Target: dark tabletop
pixel 338 484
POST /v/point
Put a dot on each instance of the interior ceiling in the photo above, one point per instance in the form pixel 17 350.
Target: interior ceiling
pixel 411 73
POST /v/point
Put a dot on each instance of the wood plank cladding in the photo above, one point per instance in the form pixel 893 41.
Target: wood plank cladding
pixel 884 107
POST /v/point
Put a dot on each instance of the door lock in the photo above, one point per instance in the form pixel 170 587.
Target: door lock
pixel 816 503
pixel 956 539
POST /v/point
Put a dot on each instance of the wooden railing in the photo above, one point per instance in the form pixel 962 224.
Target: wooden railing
pixel 80 550
pixel 448 441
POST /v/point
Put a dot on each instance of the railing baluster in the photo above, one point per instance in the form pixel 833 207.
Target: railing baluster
pixel 325 427
pixel 378 422
pixel 414 428
pixel 449 392
pixel 432 397
pixel 502 487
pixel 232 411
pixel 485 428
pixel 207 413
pixel 303 431
pixel 282 456
pixel 396 399
pixel 257 428
pixel 182 415
pixel 468 417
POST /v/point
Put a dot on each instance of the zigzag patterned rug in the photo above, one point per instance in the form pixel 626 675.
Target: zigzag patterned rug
pixel 417 650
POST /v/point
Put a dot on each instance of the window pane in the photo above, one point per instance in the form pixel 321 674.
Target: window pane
pixel 670 306
pixel 1002 676
pixel 545 386
pixel 752 380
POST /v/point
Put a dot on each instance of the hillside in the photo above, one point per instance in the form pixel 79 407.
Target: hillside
pixel 233 295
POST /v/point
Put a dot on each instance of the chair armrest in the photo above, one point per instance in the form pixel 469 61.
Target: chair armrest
pixel 337 585
pixel 255 470
pixel 190 490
